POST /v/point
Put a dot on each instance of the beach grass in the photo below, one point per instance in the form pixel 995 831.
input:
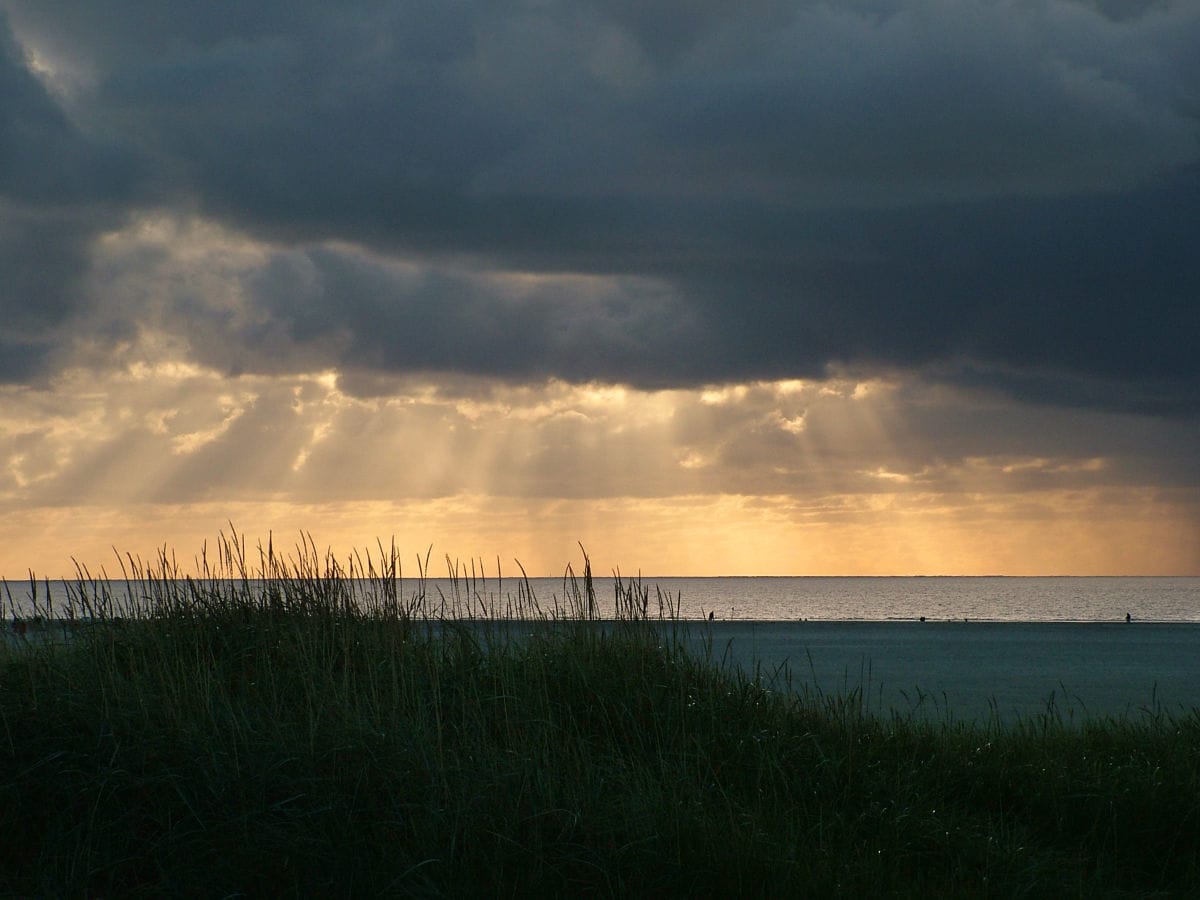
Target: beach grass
pixel 311 729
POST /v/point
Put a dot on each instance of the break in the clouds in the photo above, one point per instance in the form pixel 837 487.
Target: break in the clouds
pixel 989 193
pixel 826 476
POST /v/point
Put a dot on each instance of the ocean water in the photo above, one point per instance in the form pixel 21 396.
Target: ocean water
pixel 998 599
pixel 787 599
pixel 881 599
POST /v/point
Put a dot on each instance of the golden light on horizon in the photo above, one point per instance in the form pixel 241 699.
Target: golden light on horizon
pixel 832 477
pixel 1135 534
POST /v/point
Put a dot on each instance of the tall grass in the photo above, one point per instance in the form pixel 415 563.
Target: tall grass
pixel 296 727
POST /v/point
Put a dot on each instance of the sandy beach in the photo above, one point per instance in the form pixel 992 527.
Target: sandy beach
pixel 975 668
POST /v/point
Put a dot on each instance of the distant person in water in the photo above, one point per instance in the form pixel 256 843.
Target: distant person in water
pixel 710 615
pixel 1128 617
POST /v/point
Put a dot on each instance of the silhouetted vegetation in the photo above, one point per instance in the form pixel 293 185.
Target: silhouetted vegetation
pixel 312 730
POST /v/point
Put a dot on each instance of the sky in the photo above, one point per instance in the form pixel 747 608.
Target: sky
pixel 870 287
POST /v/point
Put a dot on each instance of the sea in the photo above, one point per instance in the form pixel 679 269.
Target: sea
pixel 781 598
pixel 882 599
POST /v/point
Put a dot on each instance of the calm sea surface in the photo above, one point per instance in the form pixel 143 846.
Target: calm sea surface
pixel 990 598
pixel 790 599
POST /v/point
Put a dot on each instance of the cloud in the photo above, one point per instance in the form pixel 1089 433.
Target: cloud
pixel 988 194
pixel 58 187
pixel 222 300
pixel 168 433
pixel 882 477
pixel 46 159
pixel 371 119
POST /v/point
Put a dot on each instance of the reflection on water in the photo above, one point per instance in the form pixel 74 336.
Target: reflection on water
pixel 794 598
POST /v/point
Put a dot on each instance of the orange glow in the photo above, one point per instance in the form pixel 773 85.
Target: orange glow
pixel 725 535
pixel 834 477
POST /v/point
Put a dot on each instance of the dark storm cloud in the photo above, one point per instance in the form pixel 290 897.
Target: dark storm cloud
pixel 994 193
pixel 55 185
pixel 1084 300
pixel 336 308
pixel 42 260
pixel 44 159
pixel 60 187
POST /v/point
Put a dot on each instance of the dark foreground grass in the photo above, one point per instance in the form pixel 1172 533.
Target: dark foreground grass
pixel 230 741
